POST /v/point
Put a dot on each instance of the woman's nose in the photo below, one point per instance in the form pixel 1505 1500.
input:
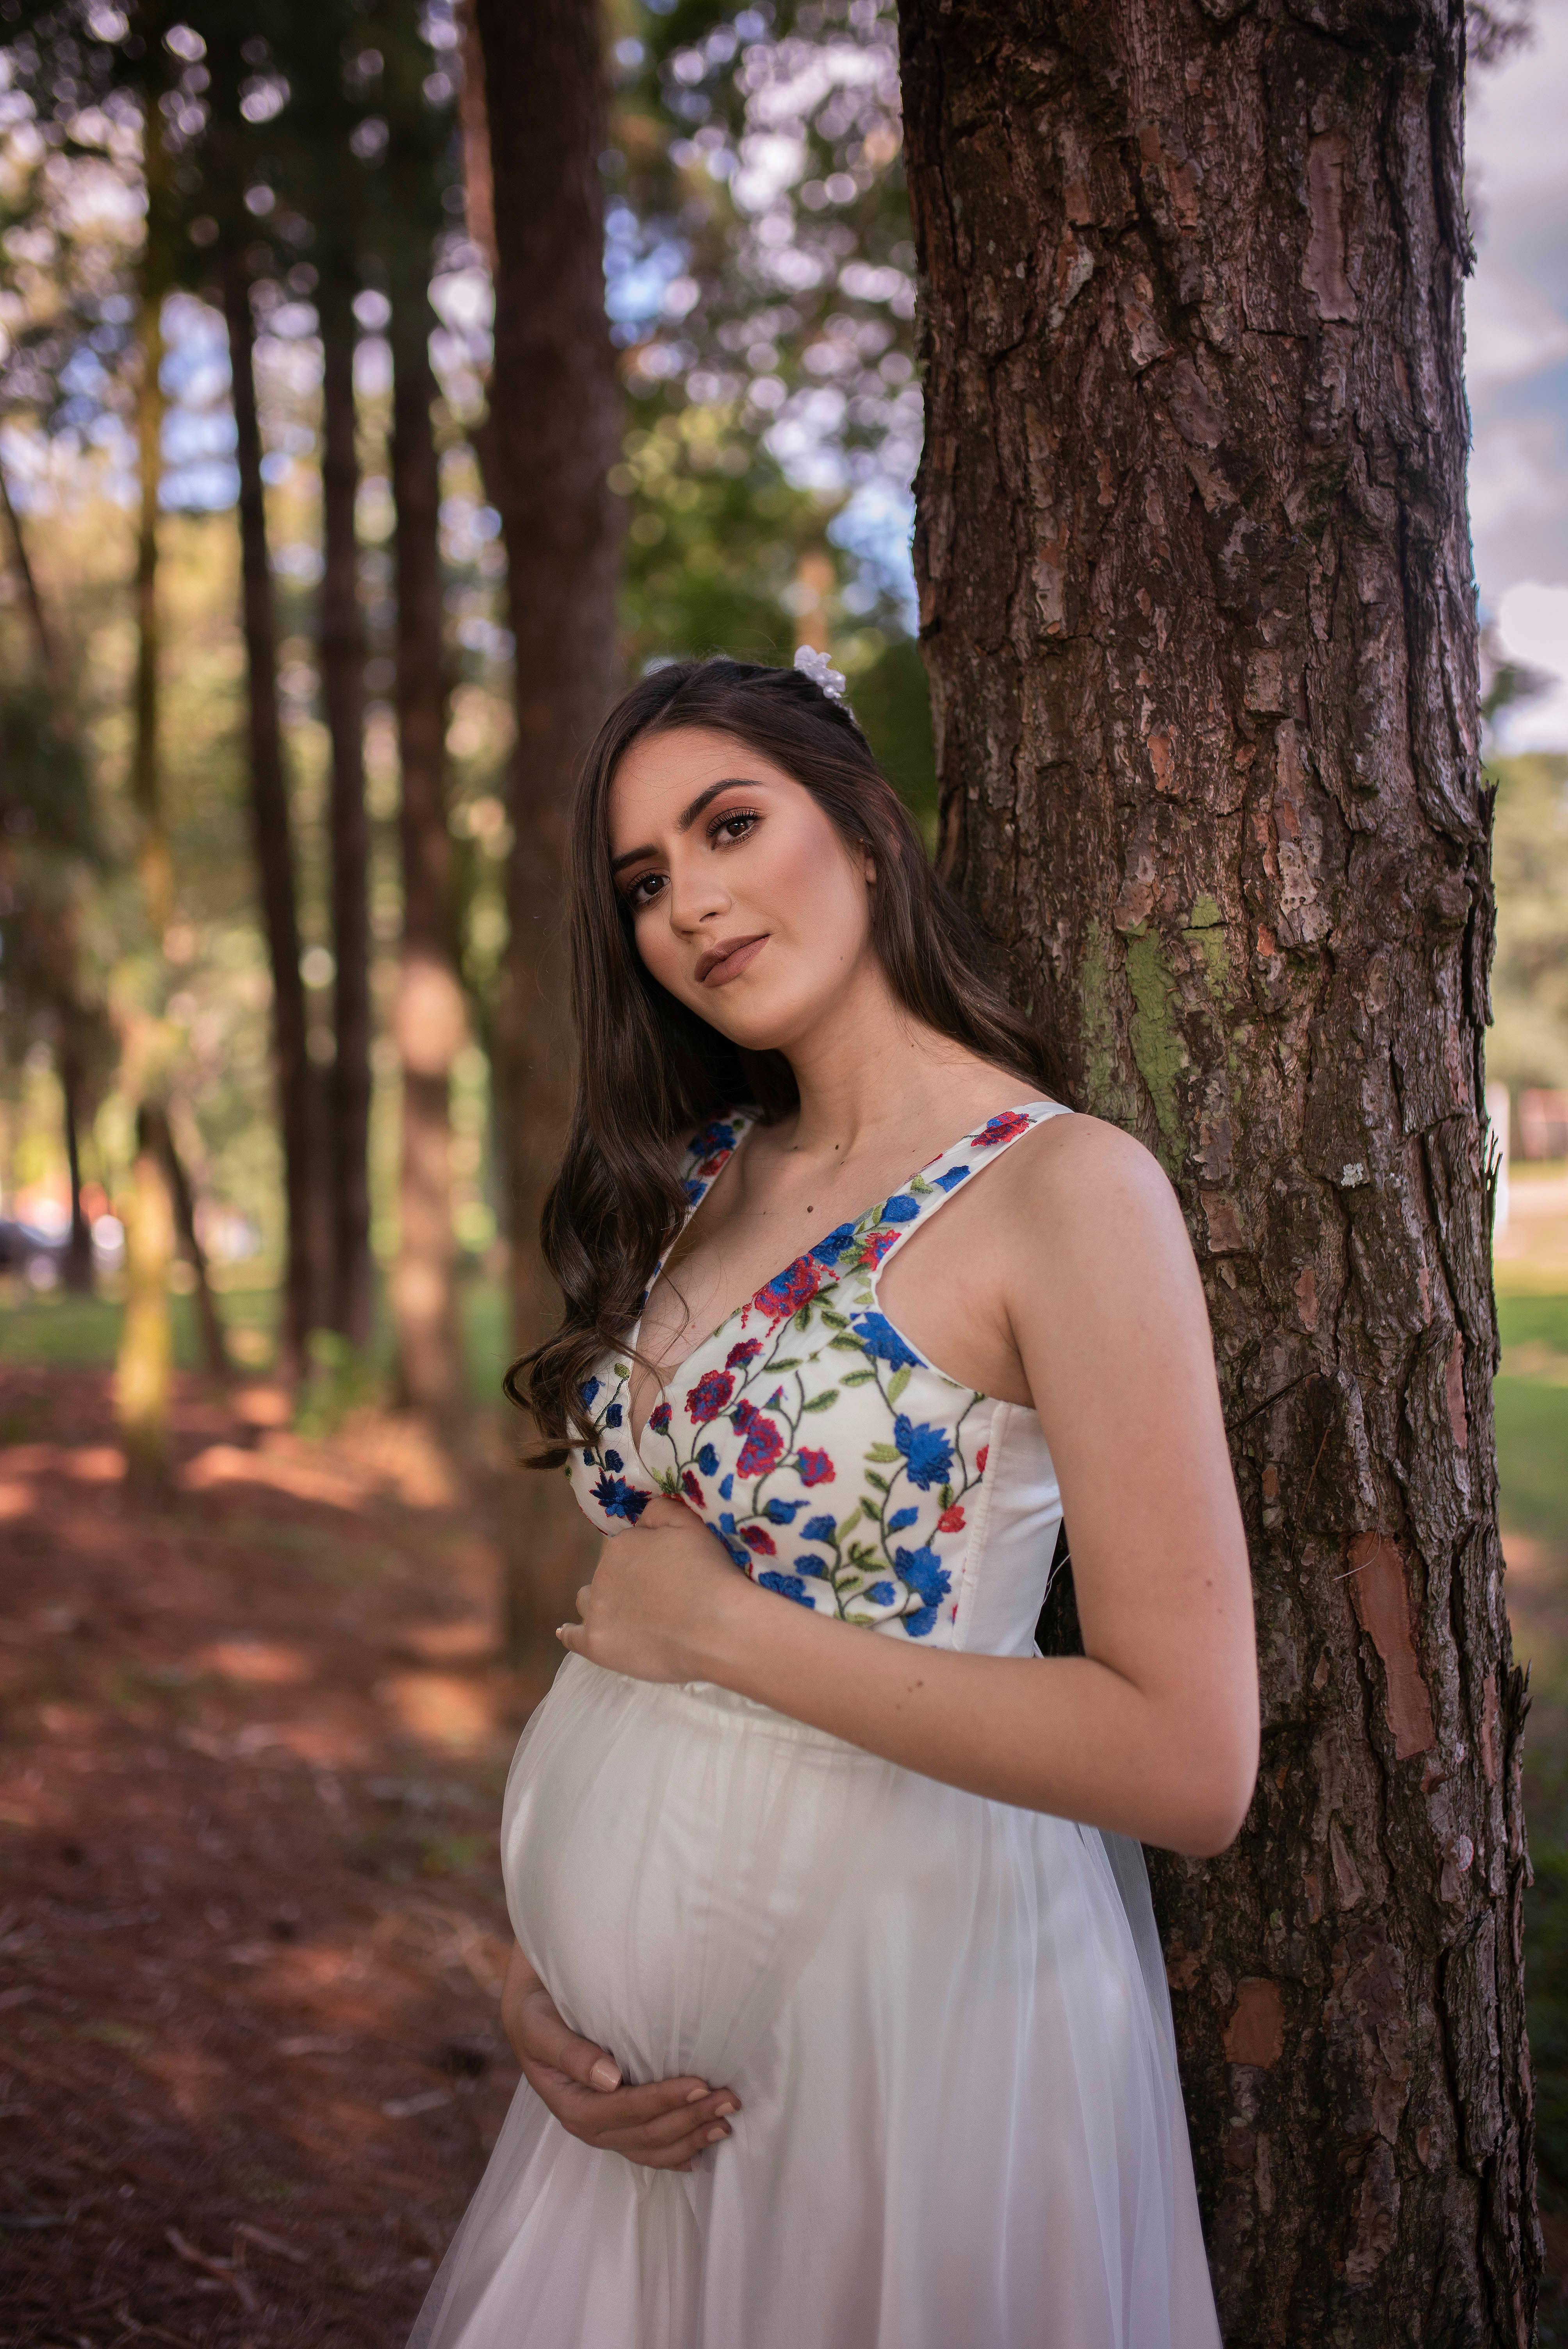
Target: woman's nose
pixel 696 893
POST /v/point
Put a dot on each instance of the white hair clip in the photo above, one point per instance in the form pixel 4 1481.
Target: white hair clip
pixel 820 671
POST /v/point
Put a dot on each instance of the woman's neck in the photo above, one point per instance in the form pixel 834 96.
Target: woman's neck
pixel 864 1074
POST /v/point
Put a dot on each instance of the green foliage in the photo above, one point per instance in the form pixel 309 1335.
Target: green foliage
pixel 1529 1043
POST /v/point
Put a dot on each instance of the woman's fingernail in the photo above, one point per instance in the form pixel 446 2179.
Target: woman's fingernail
pixel 697 2095
pixel 714 2134
pixel 729 2105
pixel 604 2074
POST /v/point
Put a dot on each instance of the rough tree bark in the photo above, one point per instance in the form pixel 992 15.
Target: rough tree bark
pixel 1198 611
pixel 343 694
pixel 555 423
pixel 428 1021
pixel 271 832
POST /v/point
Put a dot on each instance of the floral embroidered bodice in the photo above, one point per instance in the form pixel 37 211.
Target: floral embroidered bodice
pixel 838 1467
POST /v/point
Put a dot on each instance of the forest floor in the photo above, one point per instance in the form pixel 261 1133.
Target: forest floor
pixel 252 1929
pixel 250 1919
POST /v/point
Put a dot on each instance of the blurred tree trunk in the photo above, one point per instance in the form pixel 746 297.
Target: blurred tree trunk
pixel 554 434
pixel 1198 610
pixel 145 1359
pixel 343 693
pixel 146 780
pixel 76 1270
pixel 143 1368
pixel 159 1135
pixel 430 1024
pixel 273 841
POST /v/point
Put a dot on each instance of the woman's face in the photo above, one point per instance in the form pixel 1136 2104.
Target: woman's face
pixel 745 901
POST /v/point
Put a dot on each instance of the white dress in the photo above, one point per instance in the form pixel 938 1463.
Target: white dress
pixel 946 2018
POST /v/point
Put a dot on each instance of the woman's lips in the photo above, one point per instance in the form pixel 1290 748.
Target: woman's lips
pixel 723 963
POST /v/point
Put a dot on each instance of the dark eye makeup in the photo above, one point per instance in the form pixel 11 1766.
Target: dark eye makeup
pixel 725 829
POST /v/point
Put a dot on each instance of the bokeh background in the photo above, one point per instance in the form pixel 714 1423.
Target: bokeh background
pixel 258 1697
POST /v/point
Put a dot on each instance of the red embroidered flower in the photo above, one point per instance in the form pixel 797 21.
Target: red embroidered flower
pixel 764 1445
pixel 789 1289
pixel 877 1244
pixel 709 1395
pixel 693 1490
pixel 815 1467
pixel 747 1351
pixel 1001 1129
pixel 980 1459
pixel 951 1521
pixel 756 1538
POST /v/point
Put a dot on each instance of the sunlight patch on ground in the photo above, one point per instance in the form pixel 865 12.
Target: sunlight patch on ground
pixel 439 1709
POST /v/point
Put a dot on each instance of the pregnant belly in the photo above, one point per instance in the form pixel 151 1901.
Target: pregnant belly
pixel 671 1856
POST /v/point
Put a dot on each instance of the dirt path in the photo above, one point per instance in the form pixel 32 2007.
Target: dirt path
pixel 251 1923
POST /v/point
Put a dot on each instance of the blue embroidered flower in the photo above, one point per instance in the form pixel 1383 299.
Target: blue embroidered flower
pixel 902 1208
pixel 613 1460
pixel 882 1342
pixel 783 1513
pixel 832 1245
pixel 880 1594
pixel 589 1389
pixel 612 1416
pixel 713 1139
pixel 588 1460
pixel 619 1499
pixel 952 1179
pixel 693 1190
pixel 925 1575
pixel 787 1586
pixel 817 1529
pixel 726 1534
pixel 901 1520
pixel 707 1460
pixel 727 1487
pixel 809 1565
pixel 927 1451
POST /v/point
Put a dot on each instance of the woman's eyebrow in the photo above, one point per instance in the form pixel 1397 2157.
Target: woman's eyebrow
pixel 687 818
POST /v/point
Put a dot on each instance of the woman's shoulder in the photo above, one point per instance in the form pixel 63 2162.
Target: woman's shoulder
pixel 1080 1175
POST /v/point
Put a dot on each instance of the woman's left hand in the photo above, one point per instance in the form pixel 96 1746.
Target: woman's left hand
pixel 655 1597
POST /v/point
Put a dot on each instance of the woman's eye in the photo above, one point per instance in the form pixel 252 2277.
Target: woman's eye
pixel 732 827
pixel 644 890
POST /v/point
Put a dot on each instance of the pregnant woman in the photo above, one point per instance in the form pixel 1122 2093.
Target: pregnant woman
pixel 837 1991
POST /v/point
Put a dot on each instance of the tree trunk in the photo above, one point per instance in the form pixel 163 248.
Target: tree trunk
pixel 429 1014
pixel 51 657
pixel 144 1363
pixel 273 841
pixel 145 779
pixel 343 692
pixel 1197 605
pixel 555 425
pixel 76 1270
pixel 159 1137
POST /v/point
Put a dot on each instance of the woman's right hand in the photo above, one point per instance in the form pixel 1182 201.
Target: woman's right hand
pixel 665 2126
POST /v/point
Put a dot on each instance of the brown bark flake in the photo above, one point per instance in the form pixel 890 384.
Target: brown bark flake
pixel 1255 2033
pixel 1383 1611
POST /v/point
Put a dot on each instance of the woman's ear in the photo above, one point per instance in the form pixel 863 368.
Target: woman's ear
pixel 868 866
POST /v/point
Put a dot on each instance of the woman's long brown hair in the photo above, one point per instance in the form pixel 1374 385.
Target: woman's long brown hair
pixel 650 1072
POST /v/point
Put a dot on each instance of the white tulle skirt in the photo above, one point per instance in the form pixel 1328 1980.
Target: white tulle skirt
pixel 946 2020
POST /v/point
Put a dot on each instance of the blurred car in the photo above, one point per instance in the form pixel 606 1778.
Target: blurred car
pixel 36 1254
